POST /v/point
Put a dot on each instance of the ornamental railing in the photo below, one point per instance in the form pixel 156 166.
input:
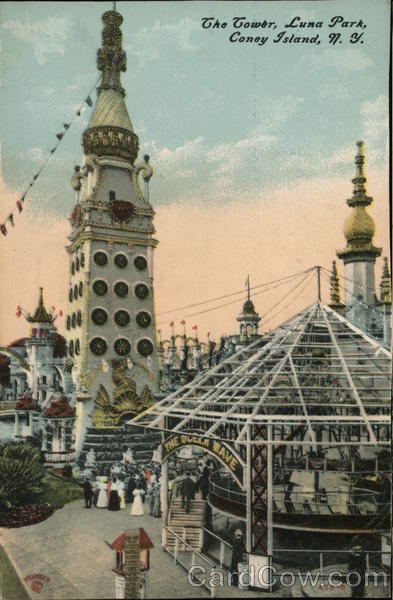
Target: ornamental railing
pixel 59 457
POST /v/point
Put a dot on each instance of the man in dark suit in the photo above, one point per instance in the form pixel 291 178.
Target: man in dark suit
pixel 87 493
pixel 187 489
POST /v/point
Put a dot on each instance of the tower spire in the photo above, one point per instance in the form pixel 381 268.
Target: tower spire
pixel 110 131
pixel 335 291
pixel 359 229
pixel 386 283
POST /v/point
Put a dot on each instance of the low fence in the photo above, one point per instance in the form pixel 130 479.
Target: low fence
pixel 189 558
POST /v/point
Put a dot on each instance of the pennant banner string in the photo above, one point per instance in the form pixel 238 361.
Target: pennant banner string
pixel 66 126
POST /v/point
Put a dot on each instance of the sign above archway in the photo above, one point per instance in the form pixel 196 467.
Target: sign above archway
pixel 230 459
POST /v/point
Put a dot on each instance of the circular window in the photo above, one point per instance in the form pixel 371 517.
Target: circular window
pixel 77 264
pixel 100 258
pixel 99 316
pixel 121 289
pixel 73 320
pixel 82 260
pixel 143 319
pixel 79 318
pixel 68 322
pixel 98 346
pixel 81 289
pixel 122 318
pixel 70 295
pixel 140 262
pixel 122 346
pixel 145 347
pixel 73 268
pixel 77 347
pixel 71 348
pixel 121 261
pixel 100 287
pixel 141 291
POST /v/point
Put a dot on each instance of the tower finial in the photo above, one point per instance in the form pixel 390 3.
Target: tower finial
pixel 359 228
pixel 360 180
pixel 110 131
pixel 386 283
pixel 335 291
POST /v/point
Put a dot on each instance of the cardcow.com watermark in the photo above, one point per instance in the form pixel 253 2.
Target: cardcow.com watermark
pixel 268 575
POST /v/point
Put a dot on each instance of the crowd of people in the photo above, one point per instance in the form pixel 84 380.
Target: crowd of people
pixel 138 485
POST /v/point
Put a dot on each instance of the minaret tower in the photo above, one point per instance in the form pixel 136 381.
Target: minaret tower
pixel 335 291
pixel 110 320
pixel 248 320
pixel 360 254
pixel 386 301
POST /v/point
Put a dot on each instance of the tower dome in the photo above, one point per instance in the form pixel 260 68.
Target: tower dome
pixel 359 228
pixel 110 130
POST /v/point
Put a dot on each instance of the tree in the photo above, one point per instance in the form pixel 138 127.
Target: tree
pixel 21 473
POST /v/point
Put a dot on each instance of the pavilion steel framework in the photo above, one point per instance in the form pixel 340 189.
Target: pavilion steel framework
pixel 314 383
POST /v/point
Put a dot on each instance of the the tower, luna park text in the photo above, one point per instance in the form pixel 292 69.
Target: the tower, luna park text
pixel 110 320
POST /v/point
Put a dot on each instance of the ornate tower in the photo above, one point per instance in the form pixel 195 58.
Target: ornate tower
pixel 248 320
pixel 360 254
pixel 335 291
pixel 110 322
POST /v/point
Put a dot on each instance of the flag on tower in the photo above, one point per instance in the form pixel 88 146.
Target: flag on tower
pixel 3 229
pixel 66 125
pixel 18 313
pixel 60 135
pixel 183 322
pixel 171 324
pixel 53 149
pixel 11 219
pixel 60 313
pixel 78 113
pixel 19 205
pixel 89 101
pixel 194 327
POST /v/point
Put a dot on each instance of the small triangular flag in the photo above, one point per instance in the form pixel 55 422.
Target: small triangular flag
pixel 89 101
pixel 59 135
pixel 3 229
pixel 53 150
pixel 35 176
pixel 11 219
pixel 66 125
pixel 19 205
pixel 78 114
pixel 23 197
pixel 60 313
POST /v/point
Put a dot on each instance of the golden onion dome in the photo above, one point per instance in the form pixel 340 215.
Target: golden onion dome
pixel 359 226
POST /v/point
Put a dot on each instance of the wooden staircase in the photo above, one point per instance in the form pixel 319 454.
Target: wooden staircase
pixel 188 526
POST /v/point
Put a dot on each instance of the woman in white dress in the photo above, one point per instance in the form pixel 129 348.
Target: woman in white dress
pixel 102 501
pixel 120 491
pixel 137 505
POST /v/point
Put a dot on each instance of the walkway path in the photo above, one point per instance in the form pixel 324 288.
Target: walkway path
pixel 70 549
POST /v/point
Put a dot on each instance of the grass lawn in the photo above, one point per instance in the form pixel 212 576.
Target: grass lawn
pixel 58 491
pixel 11 588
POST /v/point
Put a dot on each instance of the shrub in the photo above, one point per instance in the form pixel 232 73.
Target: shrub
pixel 21 473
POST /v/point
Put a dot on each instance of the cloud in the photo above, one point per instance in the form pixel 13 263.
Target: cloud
pixel 45 37
pixel 341 59
pixel 145 43
pixel 376 125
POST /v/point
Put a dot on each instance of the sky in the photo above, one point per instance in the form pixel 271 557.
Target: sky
pixel 252 145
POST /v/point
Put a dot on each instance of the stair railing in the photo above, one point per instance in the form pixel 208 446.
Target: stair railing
pixel 179 541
